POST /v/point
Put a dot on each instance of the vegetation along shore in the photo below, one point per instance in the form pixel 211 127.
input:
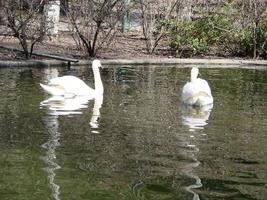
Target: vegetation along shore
pixel 135 29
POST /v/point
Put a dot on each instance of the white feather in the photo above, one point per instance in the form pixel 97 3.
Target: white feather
pixel 70 86
pixel 197 91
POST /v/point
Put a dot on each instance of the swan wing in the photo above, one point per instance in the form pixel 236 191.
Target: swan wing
pixel 53 90
pixel 71 85
pixel 197 93
pixel 187 93
pixel 202 85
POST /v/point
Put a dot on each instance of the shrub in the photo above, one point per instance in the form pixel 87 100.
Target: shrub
pixel 249 40
pixel 197 36
pixel 225 28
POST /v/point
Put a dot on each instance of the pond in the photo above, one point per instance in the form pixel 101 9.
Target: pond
pixel 139 141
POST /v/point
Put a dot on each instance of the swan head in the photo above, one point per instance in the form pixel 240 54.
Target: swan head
pixel 194 73
pixel 96 64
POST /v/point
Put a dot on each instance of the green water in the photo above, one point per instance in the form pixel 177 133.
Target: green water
pixel 142 145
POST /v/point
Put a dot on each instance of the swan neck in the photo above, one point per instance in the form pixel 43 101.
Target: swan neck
pixel 194 74
pixel 98 82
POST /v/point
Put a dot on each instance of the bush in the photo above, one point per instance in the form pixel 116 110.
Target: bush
pixel 249 40
pixel 211 27
pixel 224 28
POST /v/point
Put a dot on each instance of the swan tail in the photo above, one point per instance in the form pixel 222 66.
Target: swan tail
pixel 199 99
pixel 53 90
pixel 203 101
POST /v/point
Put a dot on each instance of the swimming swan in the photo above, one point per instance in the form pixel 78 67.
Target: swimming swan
pixel 197 91
pixel 69 86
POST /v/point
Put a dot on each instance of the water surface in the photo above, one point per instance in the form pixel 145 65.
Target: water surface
pixel 139 141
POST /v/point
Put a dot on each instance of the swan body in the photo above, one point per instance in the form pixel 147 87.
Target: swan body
pixel 196 92
pixel 70 86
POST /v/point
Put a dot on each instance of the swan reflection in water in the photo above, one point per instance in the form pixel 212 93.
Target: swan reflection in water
pixel 56 107
pixel 195 118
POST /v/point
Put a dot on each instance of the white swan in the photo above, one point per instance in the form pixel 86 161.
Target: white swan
pixel 69 86
pixel 197 91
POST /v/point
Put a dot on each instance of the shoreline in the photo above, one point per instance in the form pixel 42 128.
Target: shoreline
pixel 222 63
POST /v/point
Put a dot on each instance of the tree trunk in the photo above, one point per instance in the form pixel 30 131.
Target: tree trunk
pixel 52 11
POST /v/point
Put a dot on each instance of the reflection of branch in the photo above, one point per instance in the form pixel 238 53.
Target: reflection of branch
pixel 138 183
